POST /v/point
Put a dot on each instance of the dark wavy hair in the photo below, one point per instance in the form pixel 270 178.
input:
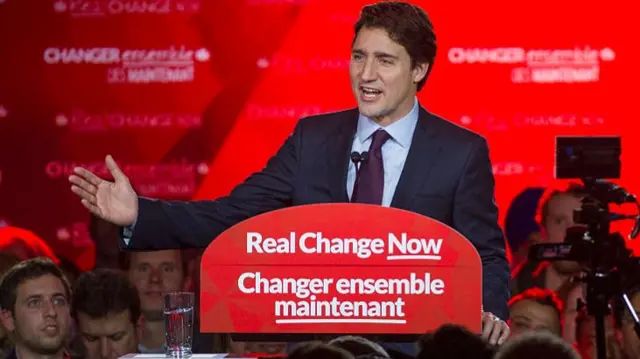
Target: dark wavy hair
pixel 406 24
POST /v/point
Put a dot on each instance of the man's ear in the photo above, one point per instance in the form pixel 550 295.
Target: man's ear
pixel 420 71
pixel 6 318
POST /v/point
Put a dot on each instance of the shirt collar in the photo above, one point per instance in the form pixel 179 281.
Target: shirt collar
pixel 400 131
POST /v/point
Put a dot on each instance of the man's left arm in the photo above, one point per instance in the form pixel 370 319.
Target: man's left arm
pixel 475 215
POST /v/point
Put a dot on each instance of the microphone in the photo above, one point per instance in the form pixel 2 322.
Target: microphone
pixel 358 159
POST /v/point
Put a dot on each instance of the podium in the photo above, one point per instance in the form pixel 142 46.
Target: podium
pixel 336 269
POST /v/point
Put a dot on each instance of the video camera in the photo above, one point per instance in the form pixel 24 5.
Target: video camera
pixel 609 266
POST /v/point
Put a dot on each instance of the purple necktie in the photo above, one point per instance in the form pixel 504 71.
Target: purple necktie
pixel 370 176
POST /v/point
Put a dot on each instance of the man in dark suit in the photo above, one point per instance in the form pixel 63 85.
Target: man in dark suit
pixel 417 161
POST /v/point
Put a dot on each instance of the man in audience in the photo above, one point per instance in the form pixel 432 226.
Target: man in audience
pixel 106 308
pixel 537 345
pixel 154 274
pixel 555 217
pixel 535 309
pixel 34 304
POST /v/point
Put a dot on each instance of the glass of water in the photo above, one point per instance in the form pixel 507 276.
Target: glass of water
pixel 178 323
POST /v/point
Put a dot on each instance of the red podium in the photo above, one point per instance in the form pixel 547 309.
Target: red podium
pixel 340 269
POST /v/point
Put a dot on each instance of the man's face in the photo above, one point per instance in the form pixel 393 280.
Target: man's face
pixel 382 78
pixel 528 315
pixel 559 219
pixel 108 337
pixel 41 317
pixel 153 274
pixel 630 341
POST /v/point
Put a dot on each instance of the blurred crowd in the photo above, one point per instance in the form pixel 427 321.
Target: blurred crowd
pixel 51 309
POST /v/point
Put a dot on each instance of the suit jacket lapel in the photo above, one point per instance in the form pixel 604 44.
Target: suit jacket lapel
pixel 338 147
pixel 425 149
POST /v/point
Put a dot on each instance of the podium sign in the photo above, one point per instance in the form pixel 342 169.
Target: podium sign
pixel 340 268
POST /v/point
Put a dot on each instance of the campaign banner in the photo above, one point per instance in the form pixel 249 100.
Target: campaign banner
pixel 340 268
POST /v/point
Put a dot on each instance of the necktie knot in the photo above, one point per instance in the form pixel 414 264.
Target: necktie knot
pixel 378 139
pixel 369 185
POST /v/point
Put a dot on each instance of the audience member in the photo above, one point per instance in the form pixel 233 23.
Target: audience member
pixel 535 309
pixel 154 274
pixel 318 350
pixel 34 299
pixel 555 216
pixel 453 342
pixel 106 308
pixel 359 347
pixel 536 345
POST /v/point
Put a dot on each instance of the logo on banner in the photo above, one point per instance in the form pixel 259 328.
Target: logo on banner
pixel 83 121
pixel 135 66
pixel 496 123
pixel 3 112
pixel 539 66
pixel 177 179
pixel 103 8
pixel 300 65
pixel 274 112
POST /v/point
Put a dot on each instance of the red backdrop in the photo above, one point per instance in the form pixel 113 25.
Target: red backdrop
pixel 191 96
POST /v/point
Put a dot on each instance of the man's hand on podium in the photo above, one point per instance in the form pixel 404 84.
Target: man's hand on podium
pixel 115 202
pixel 495 330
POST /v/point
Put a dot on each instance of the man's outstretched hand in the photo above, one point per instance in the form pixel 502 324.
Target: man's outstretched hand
pixel 115 202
